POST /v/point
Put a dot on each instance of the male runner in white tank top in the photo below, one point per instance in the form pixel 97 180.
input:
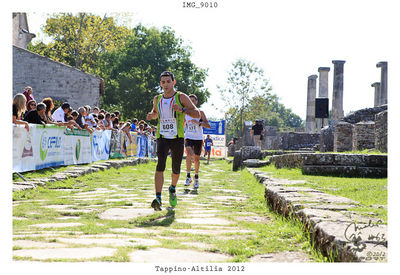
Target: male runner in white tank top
pixel 194 142
pixel 170 109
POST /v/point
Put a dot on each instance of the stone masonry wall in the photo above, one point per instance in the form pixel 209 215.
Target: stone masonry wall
pixel 343 137
pixel 381 131
pixel 359 165
pixel 50 78
pixel 364 135
pixel 367 114
pixel 295 141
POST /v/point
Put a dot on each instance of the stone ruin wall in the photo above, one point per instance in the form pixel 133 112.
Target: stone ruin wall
pixel 363 129
pixel 49 78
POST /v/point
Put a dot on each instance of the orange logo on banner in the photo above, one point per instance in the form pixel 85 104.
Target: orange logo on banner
pixel 214 152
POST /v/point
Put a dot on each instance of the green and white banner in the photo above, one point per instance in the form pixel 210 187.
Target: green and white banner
pixel 77 147
pixel 49 146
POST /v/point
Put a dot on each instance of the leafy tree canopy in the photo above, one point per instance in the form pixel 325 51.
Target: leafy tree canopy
pixel 132 73
pixel 249 97
pixel 79 40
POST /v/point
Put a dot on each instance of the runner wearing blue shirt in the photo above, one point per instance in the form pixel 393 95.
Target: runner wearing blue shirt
pixel 208 143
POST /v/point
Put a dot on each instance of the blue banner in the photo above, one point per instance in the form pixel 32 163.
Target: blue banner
pixel 141 146
pixel 217 128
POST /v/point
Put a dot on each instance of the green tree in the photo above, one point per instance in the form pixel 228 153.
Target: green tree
pixel 132 72
pixel 254 101
pixel 245 81
pixel 79 40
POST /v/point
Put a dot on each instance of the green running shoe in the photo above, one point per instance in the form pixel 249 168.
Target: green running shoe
pixel 173 201
pixel 156 204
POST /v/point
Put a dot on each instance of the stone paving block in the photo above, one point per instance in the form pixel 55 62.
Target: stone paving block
pixel 56 225
pixel 36 244
pixel 217 221
pixel 65 253
pixel 125 213
pixel 110 241
pixel 138 230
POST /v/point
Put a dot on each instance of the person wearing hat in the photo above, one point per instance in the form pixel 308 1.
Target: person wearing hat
pixel 60 113
pixel 170 109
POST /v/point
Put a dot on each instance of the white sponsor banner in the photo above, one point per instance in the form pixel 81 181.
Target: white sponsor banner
pixel 48 146
pixel 22 148
pixel 101 145
pixel 218 149
pixel 77 147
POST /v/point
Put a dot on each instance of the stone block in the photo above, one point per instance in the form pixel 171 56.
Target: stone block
pixel 326 139
pixel 348 171
pixel 381 131
pixel 343 137
pixel 364 135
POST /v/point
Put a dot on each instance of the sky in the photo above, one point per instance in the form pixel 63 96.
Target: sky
pixel 289 40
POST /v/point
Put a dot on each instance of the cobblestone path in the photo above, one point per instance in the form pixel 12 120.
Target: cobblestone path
pixel 106 216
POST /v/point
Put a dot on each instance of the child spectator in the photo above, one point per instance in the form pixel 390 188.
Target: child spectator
pixel 100 123
pixel 133 127
pixel 80 120
pixel 115 123
pixel 89 119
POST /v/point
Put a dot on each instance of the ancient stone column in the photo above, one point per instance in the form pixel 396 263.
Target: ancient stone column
pixel 383 89
pixel 311 92
pixel 323 92
pixel 337 98
pixel 377 94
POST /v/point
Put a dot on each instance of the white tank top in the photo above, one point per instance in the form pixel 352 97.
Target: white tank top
pixel 193 130
pixel 168 125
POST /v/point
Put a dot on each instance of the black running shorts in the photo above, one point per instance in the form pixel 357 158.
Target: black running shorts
pixel 195 144
pixel 176 147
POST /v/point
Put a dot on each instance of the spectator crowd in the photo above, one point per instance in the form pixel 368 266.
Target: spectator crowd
pixel 27 110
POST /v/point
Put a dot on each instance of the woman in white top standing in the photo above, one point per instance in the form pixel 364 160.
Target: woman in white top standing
pixel 194 142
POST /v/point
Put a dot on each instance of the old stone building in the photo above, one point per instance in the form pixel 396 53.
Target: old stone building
pixel 47 77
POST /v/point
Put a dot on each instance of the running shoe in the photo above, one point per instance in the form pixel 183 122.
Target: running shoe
pixel 196 183
pixel 173 201
pixel 188 181
pixel 156 204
